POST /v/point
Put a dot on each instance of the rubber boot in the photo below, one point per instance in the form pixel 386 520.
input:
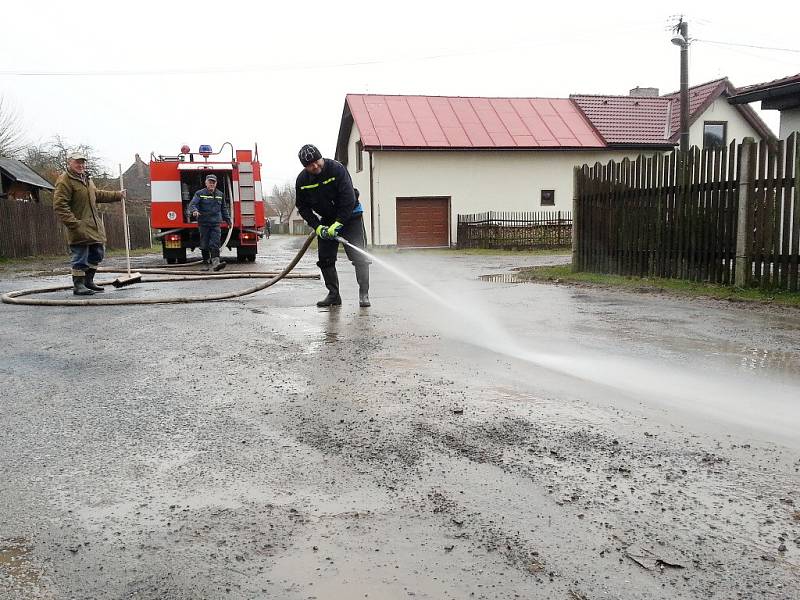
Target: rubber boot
pixel 332 283
pixel 206 256
pixel 362 276
pixel 217 264
pixel 79 286
pixel 89 282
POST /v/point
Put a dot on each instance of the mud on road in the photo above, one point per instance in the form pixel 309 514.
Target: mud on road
pixel 529 441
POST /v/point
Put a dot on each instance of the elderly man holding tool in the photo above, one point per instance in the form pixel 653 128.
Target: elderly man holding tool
pixel 209 208
pixel 75 202
pixel 328 203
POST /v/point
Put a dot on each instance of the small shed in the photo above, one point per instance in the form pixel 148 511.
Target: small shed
pixel 19 182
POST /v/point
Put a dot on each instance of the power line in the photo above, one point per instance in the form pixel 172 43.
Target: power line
pixel 795 50
pixel 302 66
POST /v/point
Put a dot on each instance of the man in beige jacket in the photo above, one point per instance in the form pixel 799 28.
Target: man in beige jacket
pixel 75 202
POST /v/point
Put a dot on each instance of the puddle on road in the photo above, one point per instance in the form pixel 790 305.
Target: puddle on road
pixel 397 362
pixel 18 574
pixel 748 358
pixel 503 278
pixel 753 359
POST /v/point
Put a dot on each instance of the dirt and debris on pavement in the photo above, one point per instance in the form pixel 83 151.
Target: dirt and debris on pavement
pixel 559 443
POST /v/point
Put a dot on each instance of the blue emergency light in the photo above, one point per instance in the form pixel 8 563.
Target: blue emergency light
pixel 205 150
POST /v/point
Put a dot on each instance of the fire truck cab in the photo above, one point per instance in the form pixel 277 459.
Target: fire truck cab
pixel 175 179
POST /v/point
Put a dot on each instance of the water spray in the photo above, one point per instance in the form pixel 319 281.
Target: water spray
pixel 396 271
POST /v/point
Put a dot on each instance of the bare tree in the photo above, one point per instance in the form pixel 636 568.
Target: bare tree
pixel 50 159
pixel 11 139
pixel 283 199
pixel 94 164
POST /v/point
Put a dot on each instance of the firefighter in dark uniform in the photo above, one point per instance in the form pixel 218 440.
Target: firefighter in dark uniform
pixel 328 203
pixel 209 208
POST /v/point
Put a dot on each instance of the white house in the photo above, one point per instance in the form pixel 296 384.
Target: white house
pixel 419 161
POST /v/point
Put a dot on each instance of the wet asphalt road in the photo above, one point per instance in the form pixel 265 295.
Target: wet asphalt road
pixel 524 441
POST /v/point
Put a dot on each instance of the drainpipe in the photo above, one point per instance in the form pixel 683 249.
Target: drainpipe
pixel 371 201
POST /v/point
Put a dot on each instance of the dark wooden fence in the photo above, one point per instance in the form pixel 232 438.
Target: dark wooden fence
pixel 138 225
pixel 515 230
pixel 33 229
pixel 728 215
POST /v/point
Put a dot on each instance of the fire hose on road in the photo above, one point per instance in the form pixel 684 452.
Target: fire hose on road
pixel 16 297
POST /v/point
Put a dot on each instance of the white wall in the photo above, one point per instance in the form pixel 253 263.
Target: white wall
pixel 790 122
pixel 475 181
pixel 721 110
pixel 360 179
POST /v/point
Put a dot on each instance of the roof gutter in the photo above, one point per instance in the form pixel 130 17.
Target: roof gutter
pixel 766 93
pixel 665 145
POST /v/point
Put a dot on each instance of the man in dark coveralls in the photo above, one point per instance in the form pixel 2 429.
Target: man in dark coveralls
pixel 328 203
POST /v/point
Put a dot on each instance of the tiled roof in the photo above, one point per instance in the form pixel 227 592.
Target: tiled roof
pixel 700 98
pixel 627 119
pixel 636 121
pixel 470 123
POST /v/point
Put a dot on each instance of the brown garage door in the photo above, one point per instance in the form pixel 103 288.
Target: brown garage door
pixel 423 222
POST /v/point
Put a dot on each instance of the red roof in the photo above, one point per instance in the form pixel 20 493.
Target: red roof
pixel 627 119
pixel 581 121
pixel 638 120
pixel 460 123
pixel 700 98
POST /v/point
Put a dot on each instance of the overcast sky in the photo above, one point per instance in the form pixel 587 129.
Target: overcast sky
pixel 128 77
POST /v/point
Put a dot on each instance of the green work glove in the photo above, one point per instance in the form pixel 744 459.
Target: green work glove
pixel 334 229
pixel 322 232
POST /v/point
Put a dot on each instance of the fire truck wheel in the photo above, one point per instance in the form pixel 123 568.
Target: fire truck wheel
pixel 245 255
pixel 175 255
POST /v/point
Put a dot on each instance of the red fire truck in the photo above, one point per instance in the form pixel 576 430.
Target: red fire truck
pixel 175 179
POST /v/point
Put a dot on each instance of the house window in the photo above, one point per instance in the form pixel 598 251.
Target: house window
pixel 548 198
pixel 715 134
pixel 359 158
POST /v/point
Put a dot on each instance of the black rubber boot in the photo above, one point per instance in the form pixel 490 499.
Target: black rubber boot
pixel 79 286
pixel 217 264
pixel 206 256
pixel 89 281
pixel 362 276
pixel 332 283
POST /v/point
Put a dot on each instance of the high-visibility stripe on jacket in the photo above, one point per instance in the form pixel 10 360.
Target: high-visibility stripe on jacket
pixel 327 197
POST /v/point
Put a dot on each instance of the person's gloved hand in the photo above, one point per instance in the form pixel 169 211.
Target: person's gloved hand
pixel 333 230
pixel 322 232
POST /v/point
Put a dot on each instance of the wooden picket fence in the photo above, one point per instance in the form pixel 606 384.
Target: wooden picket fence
pixel 729 215
pixel 515 230
pixel 33 229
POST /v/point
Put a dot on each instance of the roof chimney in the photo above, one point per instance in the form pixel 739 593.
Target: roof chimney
pixel 644 92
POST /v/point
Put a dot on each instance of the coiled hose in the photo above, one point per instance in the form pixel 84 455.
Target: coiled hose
pixel 16 297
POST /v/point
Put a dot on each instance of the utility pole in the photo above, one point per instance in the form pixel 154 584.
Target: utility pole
pixel 682 40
